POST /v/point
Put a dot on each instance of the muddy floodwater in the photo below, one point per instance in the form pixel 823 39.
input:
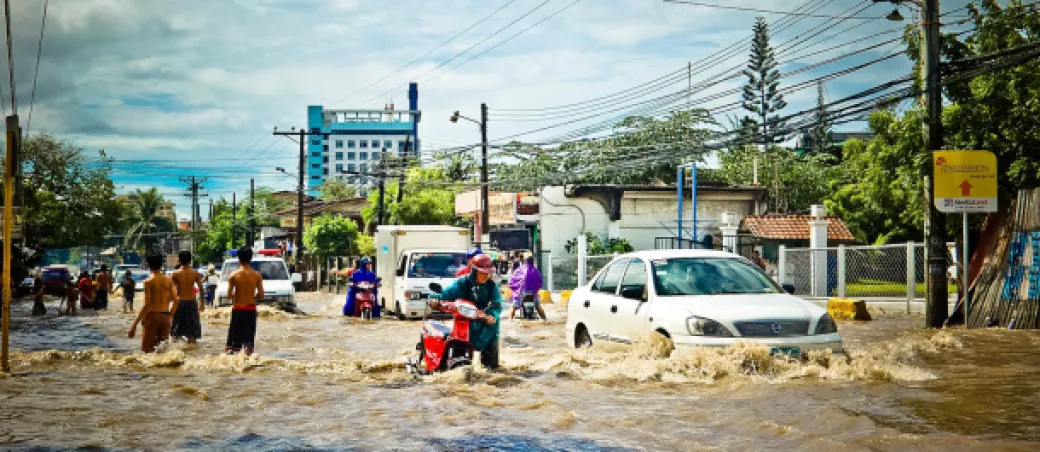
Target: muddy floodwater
pixel 323 382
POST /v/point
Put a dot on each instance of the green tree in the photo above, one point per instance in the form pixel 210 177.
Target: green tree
pixel 366 245
pixel 819 133
pixel 761 95
pixel 335 189
pixel 330 235
pixel 145 206
pixel 429 198
pixel 804 179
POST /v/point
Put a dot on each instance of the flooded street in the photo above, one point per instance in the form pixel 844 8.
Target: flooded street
pixel 322 382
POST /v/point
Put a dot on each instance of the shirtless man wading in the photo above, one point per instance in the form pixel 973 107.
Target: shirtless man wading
pixel 160 296
pixel 245 285
pixel 186 322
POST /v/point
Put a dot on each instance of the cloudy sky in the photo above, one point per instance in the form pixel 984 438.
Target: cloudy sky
pixel 173 88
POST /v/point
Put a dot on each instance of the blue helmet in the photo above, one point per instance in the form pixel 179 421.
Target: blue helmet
pixel 473 252
pixel 365 261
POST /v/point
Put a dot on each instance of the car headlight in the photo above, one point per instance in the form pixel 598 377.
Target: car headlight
pixel 706 327
pixel 826 325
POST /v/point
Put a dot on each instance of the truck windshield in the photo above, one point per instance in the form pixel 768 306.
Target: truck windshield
pixel 436 265
pixel 269 270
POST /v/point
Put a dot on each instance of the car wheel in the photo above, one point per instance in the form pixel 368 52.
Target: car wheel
pixel 397 310
pixel 582 338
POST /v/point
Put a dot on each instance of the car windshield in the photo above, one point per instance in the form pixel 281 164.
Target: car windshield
pixel 709 276
pixel 269 270
pixel 54 275
pixel 139 276
pixel 436 265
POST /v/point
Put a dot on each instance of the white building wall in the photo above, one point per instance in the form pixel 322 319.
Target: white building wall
pixel 645 216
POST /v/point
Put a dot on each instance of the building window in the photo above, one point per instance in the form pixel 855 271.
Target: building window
pixel 351 155
pixel 364 143
pixel 316 154
pixel 351 144
pixel 315 165
pixel 364 167
pixel 375 144
pixel 388 144
pixel 351 167
pixel 364 156
pixel 339 168
pixel 339 144
pixel 325 160
pixel 315 130
pixel 325 171
pixel 325 147
pixel 315 141
pixel 400 146
pixel 315 178
pixel 339 156
pixel 375 156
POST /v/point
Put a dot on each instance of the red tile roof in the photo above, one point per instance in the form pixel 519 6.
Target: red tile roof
pixel 793 227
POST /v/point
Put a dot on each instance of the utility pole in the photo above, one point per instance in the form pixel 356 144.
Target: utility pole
pixel 937 309
pixel 11 162
pixel 234 226
pixel 382 186
pixel 301 137
pixel 400 179
pixel 250 236
pixel 484 225
pixel 193 186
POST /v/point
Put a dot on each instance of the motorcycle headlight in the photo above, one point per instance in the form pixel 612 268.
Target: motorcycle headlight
pixel 467 310
pixel 706 327
pixel 826 325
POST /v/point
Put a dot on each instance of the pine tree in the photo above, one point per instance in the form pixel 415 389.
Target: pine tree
pixel 820 131
pixel 760 94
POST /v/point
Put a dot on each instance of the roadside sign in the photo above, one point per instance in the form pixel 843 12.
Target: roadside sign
pixel 965 181
pixel 19 222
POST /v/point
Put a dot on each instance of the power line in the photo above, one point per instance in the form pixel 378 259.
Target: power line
pixel 763 11
pixel 449 41
pixel 36 73
pixel 457 55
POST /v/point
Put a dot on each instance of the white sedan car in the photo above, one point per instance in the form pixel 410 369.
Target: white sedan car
pixel 695 297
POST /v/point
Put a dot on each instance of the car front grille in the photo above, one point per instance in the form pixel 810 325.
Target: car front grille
pixel 766 328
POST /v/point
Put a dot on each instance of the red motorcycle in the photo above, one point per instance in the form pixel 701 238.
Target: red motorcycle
pixel 444 346
pixel 365 300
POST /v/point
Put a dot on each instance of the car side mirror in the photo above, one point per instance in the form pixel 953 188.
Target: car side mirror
pixel 789 288
pixel 435 287
pixel 633 293
pixel 296 278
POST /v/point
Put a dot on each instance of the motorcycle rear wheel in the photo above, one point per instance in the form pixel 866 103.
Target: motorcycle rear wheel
pixel 366 314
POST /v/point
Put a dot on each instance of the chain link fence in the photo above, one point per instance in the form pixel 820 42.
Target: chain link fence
pixel 883 271
pixel 565 270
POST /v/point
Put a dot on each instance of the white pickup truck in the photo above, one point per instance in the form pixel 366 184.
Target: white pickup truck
pixel 278 283
pixel 409 258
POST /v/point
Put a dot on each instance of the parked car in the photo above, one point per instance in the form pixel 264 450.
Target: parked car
pixel 139 276
pixel 278 283
pixel 56 279
pixel 696 298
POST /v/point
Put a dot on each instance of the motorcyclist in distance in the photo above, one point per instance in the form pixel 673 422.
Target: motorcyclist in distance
pixel 363 273
pixel 479 288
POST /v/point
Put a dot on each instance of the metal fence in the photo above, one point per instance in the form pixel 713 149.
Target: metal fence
pixel 883 272
pixel 564 273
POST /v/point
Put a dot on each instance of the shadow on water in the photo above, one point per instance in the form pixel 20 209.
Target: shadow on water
pixel 517 443
pixel 54 332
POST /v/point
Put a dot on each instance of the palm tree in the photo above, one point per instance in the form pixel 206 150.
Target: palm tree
pixel 145 205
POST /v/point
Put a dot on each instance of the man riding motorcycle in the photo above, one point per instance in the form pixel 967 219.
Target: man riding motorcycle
pixel 362 273
pixel 479 288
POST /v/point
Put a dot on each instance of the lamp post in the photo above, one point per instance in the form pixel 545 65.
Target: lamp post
pixel 483 166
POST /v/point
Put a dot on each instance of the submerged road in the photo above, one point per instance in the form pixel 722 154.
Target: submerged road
pixel 323 382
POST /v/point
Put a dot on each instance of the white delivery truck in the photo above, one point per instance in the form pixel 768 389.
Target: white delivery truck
pixel 409 258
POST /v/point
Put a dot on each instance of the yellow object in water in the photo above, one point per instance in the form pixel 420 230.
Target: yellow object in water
pixel 507 293
pixel 847 309
pixel 565 297
pixel 544 296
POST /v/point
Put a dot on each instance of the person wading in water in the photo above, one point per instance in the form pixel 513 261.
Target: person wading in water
pixel 159 296
pixel 245 285
pixel 186 322
pixel 104 287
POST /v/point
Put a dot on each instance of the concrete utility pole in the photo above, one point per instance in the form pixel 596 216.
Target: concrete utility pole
pixel 250 236
pixel 483 166
pixel 301 137
pixel 405 157
pixel 382 186
pixel 193 186
pixel 11 162
pixel 937 309
pixel 234 227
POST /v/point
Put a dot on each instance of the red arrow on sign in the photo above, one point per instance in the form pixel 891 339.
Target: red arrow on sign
pixel 965 188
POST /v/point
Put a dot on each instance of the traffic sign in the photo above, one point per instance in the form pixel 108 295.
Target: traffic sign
pixel 965 181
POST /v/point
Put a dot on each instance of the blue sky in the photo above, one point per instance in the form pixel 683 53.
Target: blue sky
pixel 194 87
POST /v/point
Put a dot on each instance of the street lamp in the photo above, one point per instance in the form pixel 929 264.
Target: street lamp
pixel 483 165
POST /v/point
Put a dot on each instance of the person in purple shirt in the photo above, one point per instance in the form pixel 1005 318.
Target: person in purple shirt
pixel 525 284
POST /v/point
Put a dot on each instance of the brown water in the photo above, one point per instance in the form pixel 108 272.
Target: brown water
pixel 322 382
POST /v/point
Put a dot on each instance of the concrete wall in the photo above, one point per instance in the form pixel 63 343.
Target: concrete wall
pixel 645 215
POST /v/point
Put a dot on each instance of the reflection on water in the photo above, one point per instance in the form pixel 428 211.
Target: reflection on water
pixel 322 382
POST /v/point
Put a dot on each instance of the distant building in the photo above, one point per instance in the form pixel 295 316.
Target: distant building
pixel 165 210
pixel 835 141
pixel 353 140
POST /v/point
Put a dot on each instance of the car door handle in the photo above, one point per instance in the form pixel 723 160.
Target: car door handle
pixel 613 309
pixel 587 303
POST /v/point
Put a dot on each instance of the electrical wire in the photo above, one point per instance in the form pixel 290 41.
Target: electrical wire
pixel 763 11
pixel 36 72
pixel 428 53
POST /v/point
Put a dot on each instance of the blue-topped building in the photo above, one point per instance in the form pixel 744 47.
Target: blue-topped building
pixel 354 140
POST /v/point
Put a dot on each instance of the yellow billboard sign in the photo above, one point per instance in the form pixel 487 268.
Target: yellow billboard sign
pixel 965 181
